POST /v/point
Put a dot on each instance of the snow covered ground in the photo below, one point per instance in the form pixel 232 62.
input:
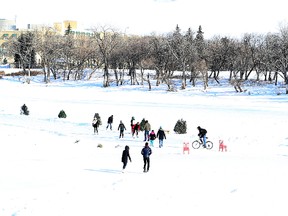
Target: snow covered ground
pixel 53 167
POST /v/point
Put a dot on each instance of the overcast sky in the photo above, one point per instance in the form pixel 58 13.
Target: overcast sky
pixel 217 17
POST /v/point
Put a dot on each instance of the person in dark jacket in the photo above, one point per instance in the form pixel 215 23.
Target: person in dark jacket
pixel 152 137
pixel 132 124
pixel 161 136
pixel 121 127
pixel 95 125
pixel 110 122
pixel 146 152
pixel 125 157
pixel 202 135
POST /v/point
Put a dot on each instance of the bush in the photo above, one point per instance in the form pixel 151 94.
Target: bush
pixel 62 114
pixel 99 146
pixel 24 110
pixel 180 127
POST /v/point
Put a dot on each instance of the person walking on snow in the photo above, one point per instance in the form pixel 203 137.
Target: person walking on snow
pixel 121 127
pixel 152 137
pixel 146 152
pixel 132 124
pixel 161 136
pixel 125 157
pixel 136 129
pixel 95 125
pixel 110 122
pixel 147 128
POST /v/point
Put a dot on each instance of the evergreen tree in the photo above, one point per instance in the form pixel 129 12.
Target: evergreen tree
pixel 200 45
pixel 62 114
pixel 25 55
pixel 180 127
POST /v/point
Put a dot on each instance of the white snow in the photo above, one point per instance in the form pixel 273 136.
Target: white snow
pixel 53 167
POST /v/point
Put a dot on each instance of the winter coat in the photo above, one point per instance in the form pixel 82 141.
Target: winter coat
pixel 161 134
pixel 136 127
pixel 202 132
pixel 146 151
pixel 152 135
pixel 110 119
pixel 126 155
pixel 147 126
pixel 121 127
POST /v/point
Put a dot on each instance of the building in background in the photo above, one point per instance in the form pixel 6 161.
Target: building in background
pixel 9 30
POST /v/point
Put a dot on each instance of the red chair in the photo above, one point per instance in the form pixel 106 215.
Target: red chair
pixel 222 146
pixel 186 147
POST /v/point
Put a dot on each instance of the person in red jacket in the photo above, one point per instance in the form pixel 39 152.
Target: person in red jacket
pixel 135 129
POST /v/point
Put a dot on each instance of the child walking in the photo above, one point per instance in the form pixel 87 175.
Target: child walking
pixel 152 136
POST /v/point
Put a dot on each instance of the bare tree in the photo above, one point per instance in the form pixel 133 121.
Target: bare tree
pixel 47 47
pixel 281 58
pixel 218 53
pixel 82 53
pixel 107 40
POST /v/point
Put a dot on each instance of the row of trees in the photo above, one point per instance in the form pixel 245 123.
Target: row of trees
pixel 186 52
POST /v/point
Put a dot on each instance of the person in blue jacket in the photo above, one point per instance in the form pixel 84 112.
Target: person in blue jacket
pixel 146 152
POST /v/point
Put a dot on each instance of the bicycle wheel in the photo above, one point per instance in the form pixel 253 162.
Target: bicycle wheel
pixel 209 145
pixel 196 144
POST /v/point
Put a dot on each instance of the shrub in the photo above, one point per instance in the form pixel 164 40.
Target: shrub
pixel 62 114
pixel 99 146
pixel 180 127
pixel 24 110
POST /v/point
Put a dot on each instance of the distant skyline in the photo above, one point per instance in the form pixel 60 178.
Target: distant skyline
pixel 217 17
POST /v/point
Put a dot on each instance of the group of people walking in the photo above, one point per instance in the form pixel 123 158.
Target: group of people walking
pixel 149 135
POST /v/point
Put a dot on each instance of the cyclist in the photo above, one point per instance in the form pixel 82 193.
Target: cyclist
pixel 202 135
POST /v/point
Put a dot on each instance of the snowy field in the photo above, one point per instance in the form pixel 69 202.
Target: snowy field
pixel 53 167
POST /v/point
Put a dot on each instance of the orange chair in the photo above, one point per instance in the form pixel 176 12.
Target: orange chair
pixel 186 147
pixel 222 146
